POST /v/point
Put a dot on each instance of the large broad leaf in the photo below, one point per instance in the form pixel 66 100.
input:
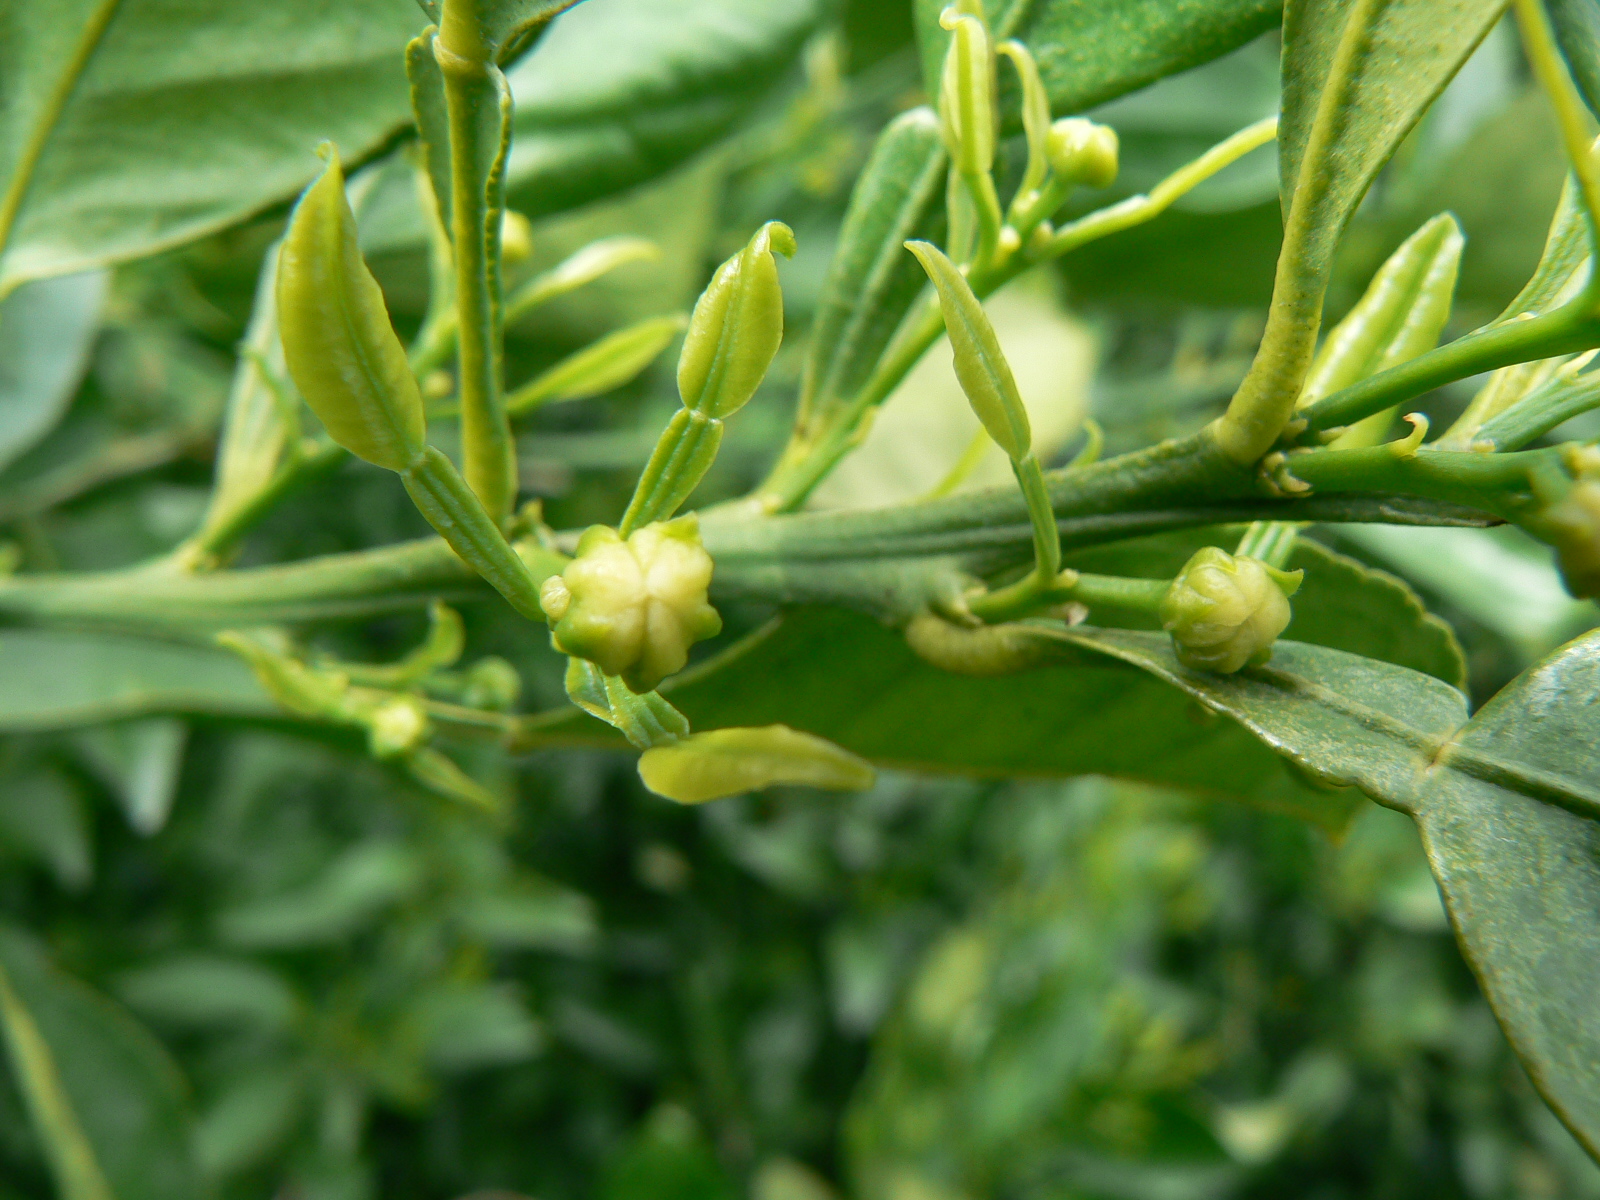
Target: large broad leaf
pixel 1506 804
pixel 135 125
pixel 620 91
pixel 45 334
pixel 53 679
pixel 1089 53
pixel 1521 876
pixel 106 1102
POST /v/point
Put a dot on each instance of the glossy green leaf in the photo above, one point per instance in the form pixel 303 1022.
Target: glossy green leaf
pixel 136 125
pixel 46 331
pixel 1577 26
pixel 1521 876
pixel 106 1102
pixel 620 91
pixel 52 679
pixel 1357 75
pixel 1091 53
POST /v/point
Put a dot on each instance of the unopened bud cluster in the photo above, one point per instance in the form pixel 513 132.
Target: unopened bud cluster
pixel 1224 611
pixel 634 606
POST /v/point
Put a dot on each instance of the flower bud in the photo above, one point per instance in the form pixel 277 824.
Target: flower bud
pixel 516 238
pixel 736 327
pixel 1572 525
pixel 396 727
pixel 337 341
pixel 1224 611
pixel 634 607
pixel 1082 152
pixel 967 111
pixel 492 683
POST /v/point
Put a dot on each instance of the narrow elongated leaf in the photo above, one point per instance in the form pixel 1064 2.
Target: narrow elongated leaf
pixel 871 280
pixel 138 124
pixel 106 1102
pixel 46 331
pixel 620 91
pixel 724 762
pixel 1091 53
pixel 53 680
pixel 600 367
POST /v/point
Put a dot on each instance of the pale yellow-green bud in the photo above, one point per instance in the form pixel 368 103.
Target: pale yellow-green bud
pixel 1082 152
pixel 736 327
pixel 634 607
pixel 493 683
pixel 967 110
pixel 397 727
pixel 1225 611
pixel 516 238
pixel 1572 525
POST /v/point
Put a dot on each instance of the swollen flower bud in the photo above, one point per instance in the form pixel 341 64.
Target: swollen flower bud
pixel 967 94
pixel 1082 152
pixel 1572 525
pixel 1224 611
pixel 397 727
pixel 634 607
pixel 736 327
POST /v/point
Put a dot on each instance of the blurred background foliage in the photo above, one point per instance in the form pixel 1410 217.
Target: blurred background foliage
pixel 321 985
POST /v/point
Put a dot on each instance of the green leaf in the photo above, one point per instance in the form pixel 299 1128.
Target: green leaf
pixel 1577 26
pixel 43 817
pixel 725 762
pixel 351 893
pixel 195 991
pixel 105 1100
pixel 599 367
pixel 618 94
pixel 1357 75
pixel 51 679
pixel 1521 876
pixel 46 331
pixel 1091 53
pixel 136 125
pixel 871 279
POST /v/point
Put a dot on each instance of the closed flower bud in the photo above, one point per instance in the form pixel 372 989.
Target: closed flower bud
pixel 1082 152
pixel 516 238
pixel 396 727
pixel 967 111
pixel 492 683
pixel 736 327
pixel 634 607
pixel 1572 526
pixel 337 341
pixel 1224 611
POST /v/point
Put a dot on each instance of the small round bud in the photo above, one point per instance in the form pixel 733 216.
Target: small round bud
pixel 634 607
pixel 397 727
pixel 1224 611
pixel 1572 525
pixel 516 238
pixel 1082 152
pixel 492 683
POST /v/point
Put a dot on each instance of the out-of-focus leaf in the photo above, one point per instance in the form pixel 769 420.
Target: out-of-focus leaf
pixel 137 125
pixel 42 815
pixel 53 680
pixel 106 1102
pixel 468 1026
pixel 532 914
pixel 1091 53
pixel 207 991
pixel 1577 26
pixel 46 330
pixel 249 1120
pixel 620 91
pixel 140 761
pixel 350 893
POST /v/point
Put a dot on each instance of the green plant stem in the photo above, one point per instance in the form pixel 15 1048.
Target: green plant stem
pixel 475 99
pixel 1496 483
pixel 1545 57
pixel 810 456
pixel 216 540
pixel 1096 591
pixel 1574 326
